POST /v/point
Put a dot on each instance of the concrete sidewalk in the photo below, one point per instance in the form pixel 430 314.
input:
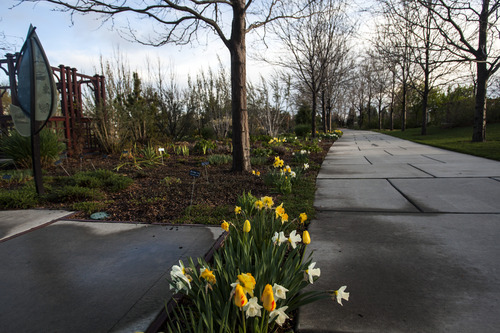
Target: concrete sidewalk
pixel 67 276
pixel 413 231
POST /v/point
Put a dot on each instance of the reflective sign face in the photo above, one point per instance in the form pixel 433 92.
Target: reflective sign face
pixel 24 80
pixel 35 76
pixel 43 86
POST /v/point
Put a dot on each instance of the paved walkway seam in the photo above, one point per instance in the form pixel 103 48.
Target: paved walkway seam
pixel 406 197
pixel 421 170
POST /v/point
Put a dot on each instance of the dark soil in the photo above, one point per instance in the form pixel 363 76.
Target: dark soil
pixel 163 193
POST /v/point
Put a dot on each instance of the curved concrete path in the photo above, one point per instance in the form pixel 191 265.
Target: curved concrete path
pixel 59 275
pixel 414 233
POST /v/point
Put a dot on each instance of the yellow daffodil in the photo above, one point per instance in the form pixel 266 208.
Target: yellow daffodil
pixel 208 275
pixel 303 217
pixel 253 172
pixel 258 173
pixel 268 202
pixel 259 204
pixel 268 298
pixel 278 162
pixel 237 210
pixel 279 210
pixel 284 218
pixel 247 281
pixel 306 237
pixel 247 226
pixel 240 299
pixel 280 315
pixel 224 225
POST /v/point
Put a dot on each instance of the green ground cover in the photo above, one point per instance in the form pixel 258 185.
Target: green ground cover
pixel 456 139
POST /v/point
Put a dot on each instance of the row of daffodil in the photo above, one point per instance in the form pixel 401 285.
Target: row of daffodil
pixel 255 279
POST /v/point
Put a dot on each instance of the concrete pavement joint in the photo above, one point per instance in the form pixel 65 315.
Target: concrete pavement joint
pixel 406 197
pixel 21 233
pixel 419 169
pixel 434 159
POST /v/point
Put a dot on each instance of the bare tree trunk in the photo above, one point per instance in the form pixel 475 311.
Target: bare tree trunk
pixel 403 105
pixel 425 99
pixel 313 112
pixel 380 114
pixel 392 100
pixel 425 94
pixel 323 109
pixel 479 131
pixel 241 136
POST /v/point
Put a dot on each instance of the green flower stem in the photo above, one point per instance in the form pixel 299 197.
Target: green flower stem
pixel 244 321
pixel 263 323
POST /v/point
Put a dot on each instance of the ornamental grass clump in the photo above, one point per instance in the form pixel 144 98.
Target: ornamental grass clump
pixel 255 280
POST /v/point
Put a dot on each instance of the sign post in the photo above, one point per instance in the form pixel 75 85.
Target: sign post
pixel 37 97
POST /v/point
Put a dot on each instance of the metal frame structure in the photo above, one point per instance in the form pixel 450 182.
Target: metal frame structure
pixel 76 128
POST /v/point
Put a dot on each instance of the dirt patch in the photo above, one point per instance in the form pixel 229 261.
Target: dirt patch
pixel 163 193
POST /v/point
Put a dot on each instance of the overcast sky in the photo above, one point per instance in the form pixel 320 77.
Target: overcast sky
pixel 80 43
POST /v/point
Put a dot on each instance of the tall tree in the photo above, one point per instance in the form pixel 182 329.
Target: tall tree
pixel 270 102
pixel 181 21
pixel 426 49
pixel 393 42
pixel 467 26
pixel 312 44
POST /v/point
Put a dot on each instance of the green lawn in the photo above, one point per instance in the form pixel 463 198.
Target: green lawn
pixel 456 139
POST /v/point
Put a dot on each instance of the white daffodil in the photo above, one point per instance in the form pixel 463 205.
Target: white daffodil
pixel 179 278
pixel 279 291
pixel 341 294
pixel 312 272
pixel 280 314
pixel 293 174
pixel 252 308
pixel 294 238
pixel 306 166
pixel 279 238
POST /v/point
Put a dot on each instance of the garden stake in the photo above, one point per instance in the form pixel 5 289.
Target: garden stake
pixel 195 174
pixel 60 163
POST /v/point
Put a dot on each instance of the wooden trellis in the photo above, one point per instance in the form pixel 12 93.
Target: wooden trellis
pixel 76 128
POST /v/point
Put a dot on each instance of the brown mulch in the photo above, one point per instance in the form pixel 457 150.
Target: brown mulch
pixel 161 194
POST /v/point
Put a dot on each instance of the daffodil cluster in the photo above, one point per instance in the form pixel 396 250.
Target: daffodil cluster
pixel 276 140
pixel 301 156
pixel 281 176
pixel 254 279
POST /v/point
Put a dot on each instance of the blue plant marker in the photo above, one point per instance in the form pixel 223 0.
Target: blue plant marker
pixel 99 216
pixel 7 177
pixel 205 163
pixel 194 173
